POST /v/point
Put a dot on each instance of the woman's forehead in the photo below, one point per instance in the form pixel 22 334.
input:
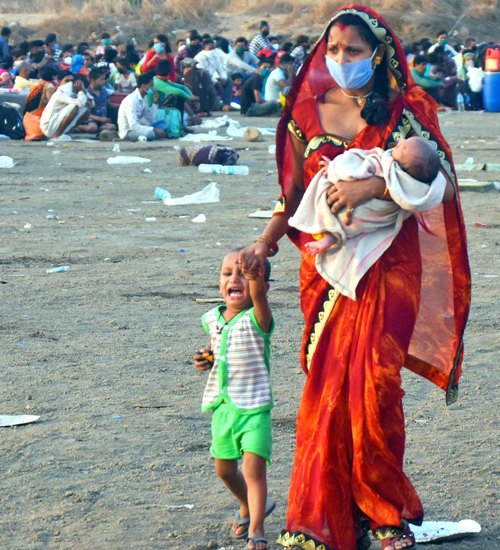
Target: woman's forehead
pixel 346 34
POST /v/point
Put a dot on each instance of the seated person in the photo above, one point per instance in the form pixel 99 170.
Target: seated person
pixel 170 94
pixel 347 241
pixel 237 79
pixel 252 101
pixel 68 106
pixel 5 72
pixel 40 94
pixel 22 82
pixel 240 60
pixel 135 117
pixel 278 82
pixel 123 79
pixel 199 82
pixel 419 72
pixel 98 119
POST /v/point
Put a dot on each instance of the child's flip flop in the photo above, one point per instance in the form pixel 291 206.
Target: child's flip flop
pixel 245 522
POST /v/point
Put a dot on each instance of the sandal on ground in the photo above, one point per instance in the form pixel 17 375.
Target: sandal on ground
pixel 255 541
pixel 389 536
pixel 245 522
pixel 240 522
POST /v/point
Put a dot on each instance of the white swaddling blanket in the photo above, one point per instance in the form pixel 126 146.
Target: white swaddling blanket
pixel 375 223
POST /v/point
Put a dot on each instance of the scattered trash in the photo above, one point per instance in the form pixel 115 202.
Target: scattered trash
pixel 59 269
pixel 469 161
pixel 485 225
pixel 16 420
pixel 147 171
pixel 210 193
pixel 134 209
pixel 237 170
pixel 252 134
pixel 50 144
pixel 182 250
pixel 201 218
pixel 431 531
pixel 122 159
pixel 116 417
pixel 272 149
pixel 179 506
pixel 52 217
pixel 22 342
pixel 264 214
pixel 210 136
pixel 6 162
pixel 421 421
pixel 235 130
pixel 116 148
pixel 27 226
pixel 142 139
pixel 162 194
pixel 150 219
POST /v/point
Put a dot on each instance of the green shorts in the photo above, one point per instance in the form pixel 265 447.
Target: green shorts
pixel 234 433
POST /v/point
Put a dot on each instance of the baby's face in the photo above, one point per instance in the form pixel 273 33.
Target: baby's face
pixel 406 150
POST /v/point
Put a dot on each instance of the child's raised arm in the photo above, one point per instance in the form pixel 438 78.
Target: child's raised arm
pixel 258 292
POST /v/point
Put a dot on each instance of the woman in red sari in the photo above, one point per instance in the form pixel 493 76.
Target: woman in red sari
pixel 355 90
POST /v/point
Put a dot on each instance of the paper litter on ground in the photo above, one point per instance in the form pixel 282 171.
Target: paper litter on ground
pixel 211 123
pixel 201 218
pixel 122 159
pixel 210 193
pixel 16 420
pixel 6 162
pixel 179 506
pixel 236 130
pixel 432 531
pixel 210 136
pixel 264 214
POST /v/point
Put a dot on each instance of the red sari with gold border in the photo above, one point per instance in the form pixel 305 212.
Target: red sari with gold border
pixel 411 310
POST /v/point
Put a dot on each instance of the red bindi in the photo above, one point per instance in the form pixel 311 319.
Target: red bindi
pixel 342 26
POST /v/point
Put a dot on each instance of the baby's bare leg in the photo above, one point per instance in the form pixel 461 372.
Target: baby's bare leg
pixel 315 247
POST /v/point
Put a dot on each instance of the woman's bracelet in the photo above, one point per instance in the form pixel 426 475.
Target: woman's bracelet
pixel 272 245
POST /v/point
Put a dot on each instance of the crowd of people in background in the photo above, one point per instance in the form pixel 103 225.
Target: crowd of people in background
pixel 112 90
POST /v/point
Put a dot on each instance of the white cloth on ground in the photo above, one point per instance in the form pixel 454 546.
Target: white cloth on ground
pixel 375 223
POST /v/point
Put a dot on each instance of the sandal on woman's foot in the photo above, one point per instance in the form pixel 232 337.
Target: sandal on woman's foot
pixel 238 523
pixel 255 541
pixel 390 536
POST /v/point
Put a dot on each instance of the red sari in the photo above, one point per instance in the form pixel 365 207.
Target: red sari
pixel 411 311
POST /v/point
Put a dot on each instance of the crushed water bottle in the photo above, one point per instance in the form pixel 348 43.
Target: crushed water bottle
pixel 59 269
pixel 460 102
pixel 237 170
pixel 162 194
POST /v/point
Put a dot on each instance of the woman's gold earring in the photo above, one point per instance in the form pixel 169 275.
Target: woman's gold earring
pixel 378 60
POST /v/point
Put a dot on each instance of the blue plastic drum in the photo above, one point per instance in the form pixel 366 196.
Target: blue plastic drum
pixel 491 92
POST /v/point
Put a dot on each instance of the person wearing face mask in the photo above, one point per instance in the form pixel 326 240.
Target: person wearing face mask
pixel 355 90
pixel 442 40
pixel 280 79
pixel 419 73
pixel 68 106
pixel 160 50
pixel 261 40
pixel 299 52
pixel 252 100
pixel 240 60
pixel 105 42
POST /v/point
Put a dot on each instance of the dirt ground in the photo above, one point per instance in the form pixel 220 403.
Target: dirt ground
pixel 82 348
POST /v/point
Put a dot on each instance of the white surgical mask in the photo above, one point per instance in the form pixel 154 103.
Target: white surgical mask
pixel 351 76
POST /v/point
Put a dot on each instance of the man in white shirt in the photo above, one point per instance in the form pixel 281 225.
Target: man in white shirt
pixel 68 106
pixel 442 40
pixel 135 117
pixel 210 61
pixel 280 79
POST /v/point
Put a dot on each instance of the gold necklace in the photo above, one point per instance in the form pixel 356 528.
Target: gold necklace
pixel 360 99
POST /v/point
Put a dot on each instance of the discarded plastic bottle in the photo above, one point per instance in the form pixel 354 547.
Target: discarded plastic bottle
pixel 161 194
pixel 238 170
pixel 116 148
pixel 59 269
pixel 460 102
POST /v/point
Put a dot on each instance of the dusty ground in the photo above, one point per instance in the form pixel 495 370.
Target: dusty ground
pixel 81 348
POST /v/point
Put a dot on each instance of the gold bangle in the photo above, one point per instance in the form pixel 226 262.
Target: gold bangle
pixel 272 246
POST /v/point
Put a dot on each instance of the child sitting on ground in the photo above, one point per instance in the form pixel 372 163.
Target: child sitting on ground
pixel 238 392
pixel 350 242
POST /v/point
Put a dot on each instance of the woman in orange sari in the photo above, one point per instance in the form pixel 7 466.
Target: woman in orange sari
pixel 411 307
